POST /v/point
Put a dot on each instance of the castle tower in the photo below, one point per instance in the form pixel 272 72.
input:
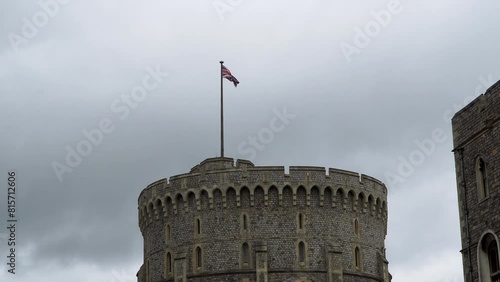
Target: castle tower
pixel 227 221
pixel 476 141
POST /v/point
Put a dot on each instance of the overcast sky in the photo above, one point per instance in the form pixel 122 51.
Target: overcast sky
pixel 368 86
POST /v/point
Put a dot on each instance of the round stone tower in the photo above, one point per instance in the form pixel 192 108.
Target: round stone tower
pixel 234 221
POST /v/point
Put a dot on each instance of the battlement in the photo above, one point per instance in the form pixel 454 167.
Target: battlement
pixel 333 187
pixel 240 171
pixel 480 114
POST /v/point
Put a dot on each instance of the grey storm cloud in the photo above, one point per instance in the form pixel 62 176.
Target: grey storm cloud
pixel 63 64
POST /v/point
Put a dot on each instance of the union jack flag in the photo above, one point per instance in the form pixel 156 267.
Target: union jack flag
pixel 227 74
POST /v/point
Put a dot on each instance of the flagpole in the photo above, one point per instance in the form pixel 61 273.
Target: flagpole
pixel 221 113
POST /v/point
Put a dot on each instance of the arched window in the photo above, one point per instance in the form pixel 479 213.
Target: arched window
pixel 245 253
pixel 489 266
pixel 245 223
pixel 482 186
pixel 159 208
pixel 357 258
pixel 493 257
pixel 302 252
pixel 356 227
pixel 168 264
pixel 198 257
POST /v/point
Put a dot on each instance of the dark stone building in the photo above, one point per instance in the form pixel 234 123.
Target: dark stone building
pixel 476 141
pixel 233 221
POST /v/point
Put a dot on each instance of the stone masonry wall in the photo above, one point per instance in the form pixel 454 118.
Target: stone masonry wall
pixel 476 134
pixel 219 193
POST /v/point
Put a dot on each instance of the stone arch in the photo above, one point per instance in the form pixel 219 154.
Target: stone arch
pixel 244 197
pixel 204 199
pixel 315 197
pixel 231 197
pixel 301 196
pixel 302 252
pixel 351 200
pixel 287 196
pixel 340 198
pixel 169 206
pixel 198 258
pixel 245 254
pixel 217 198
pixel 328 197
pixel 358 258
pixel 191 200
pixel 259 197
pixel 168 264
pixel 488 256
pixel 273 196
pixel 159 208
pixel 301 247
pixel 371 205
pixel 179 203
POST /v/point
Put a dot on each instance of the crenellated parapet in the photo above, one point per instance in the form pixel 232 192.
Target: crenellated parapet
pixel 217 177
pixel 477 118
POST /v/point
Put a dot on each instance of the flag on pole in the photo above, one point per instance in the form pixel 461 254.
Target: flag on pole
pixel 227 74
